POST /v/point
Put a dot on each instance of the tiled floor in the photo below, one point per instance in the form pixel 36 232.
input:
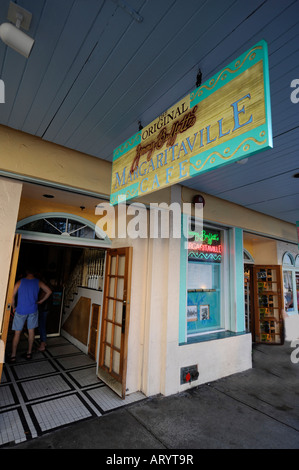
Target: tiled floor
pixel 56 388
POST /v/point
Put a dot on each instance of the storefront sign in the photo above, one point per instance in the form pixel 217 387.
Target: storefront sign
pixel 226 119
pixel 205 246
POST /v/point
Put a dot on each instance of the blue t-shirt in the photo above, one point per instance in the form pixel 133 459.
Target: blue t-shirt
pixel 28 296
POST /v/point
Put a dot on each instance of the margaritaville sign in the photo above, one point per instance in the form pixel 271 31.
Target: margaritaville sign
pixel 226 119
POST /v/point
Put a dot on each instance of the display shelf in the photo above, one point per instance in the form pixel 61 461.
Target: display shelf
pixel 267 301
pixel 202 290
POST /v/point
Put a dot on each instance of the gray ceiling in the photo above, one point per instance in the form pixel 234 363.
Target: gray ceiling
pixel 95 71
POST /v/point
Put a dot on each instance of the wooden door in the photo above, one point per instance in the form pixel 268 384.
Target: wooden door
pixel 115 320
pixel 94 330
pixel 268 326
pixel 9 293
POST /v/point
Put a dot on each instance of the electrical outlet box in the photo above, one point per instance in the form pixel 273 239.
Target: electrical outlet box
pixel 189 374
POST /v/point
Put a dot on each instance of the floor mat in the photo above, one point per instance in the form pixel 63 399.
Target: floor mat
pixel 56 388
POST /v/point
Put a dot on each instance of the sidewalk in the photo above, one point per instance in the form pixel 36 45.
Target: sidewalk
pixel 256 409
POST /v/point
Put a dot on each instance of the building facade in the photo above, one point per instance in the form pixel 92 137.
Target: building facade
pixel 159 314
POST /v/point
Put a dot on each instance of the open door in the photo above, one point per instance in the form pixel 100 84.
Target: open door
pixel 115 320
pixel 268 324
pixel 9 293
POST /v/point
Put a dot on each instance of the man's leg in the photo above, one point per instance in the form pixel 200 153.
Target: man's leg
pixel 15 343
pixel 42 322
pixel 17 327
pixel 32 323
pixel 31 336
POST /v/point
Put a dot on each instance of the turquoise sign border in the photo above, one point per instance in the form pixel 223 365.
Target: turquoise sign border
pixel 237 148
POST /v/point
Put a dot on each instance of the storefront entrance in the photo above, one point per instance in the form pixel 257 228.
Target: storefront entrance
pixel 76 377
pixel 74 269
pixel 75 276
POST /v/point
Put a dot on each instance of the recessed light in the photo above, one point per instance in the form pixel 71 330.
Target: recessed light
pixel 49 196
pixel 296 175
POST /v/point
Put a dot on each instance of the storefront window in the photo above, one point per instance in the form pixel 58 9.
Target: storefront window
pixel 288 291
pixel 291 282
pixel 288 260
pixel 205 252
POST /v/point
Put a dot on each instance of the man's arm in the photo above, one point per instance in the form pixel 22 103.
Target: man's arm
pixel 47 292
pixel 15 290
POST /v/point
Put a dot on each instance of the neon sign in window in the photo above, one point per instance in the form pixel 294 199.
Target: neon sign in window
pixel 205 246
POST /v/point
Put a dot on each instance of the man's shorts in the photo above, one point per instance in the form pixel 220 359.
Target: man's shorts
pixel 19 321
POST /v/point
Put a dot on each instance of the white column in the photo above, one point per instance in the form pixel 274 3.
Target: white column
pixel 162 313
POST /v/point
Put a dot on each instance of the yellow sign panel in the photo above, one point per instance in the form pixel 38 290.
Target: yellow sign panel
pixel 225 119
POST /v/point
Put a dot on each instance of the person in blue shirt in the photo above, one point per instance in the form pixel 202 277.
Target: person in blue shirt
pixel 27 291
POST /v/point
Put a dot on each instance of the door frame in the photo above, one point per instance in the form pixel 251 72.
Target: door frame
pixel 47 240
pixel 9 294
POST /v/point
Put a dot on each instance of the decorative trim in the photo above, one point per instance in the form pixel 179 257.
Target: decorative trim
pixel 210 158
pixel 230 72
pixel 131 191
pixel 128 145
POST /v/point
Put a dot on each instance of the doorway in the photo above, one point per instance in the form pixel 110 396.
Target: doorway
pixel 61 385
pixel 78 310
pixel 75 276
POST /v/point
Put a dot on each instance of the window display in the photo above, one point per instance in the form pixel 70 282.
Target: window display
pixel 204 280
pixel 288 291
pixel 291 283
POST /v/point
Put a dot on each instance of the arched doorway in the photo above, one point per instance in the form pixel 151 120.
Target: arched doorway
pixel 71 252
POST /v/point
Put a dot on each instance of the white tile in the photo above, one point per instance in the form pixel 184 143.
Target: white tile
pixel 86 377
pixel 53 376
pixel 106 399
pixel 6 397
pixel 62 350
pixel 11 428
pixel 40 388
pixel 74 362
pixel 55 413
pixel 33 369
